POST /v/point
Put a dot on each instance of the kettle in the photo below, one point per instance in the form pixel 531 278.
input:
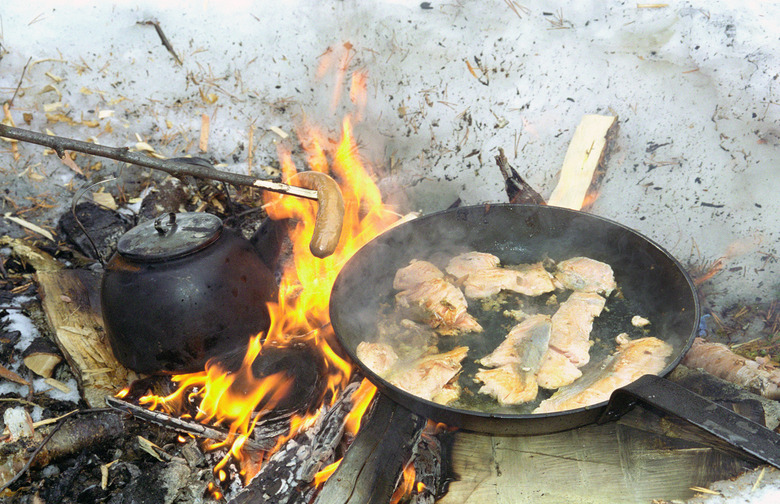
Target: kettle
pixel 181 289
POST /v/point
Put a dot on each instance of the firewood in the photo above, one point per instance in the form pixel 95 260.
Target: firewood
pixel 584 156
pixel 371 469
pixel 76 434
pixel 286 477
pixel 264 437
pixel 69 299
pixel 42 356
pixel 717 359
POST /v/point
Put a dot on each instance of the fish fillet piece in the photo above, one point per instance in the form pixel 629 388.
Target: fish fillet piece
pixel 379 357
pixel 572 323
pixel 439 304
pixel 416 272
pixel 528 279
pixel 632 360
pixel 508 384
pixel 517 358
pixel 470 262
pixel 428 377
pixel 509 351
pixel 586 275
pixel 556 370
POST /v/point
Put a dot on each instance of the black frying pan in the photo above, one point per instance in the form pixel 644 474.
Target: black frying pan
pixel 654 285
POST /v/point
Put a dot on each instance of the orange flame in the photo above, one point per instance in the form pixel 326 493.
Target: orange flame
pixel 405 487
pixel 238 399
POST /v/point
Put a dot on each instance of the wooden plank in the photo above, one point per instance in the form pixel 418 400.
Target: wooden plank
pixel 584 155
pixel 70 300
pixel 595 464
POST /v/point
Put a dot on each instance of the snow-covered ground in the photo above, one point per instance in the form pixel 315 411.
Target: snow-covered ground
pixel 449 82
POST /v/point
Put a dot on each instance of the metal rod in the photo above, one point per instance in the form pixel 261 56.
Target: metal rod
pixel 177 169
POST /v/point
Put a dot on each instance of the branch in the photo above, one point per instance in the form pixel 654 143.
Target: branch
pixel 177 169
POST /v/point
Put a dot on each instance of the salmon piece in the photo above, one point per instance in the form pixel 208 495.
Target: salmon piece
pixel 572 323
pixel 586 275
pixel 428 377
pixel 517 359
pixel 439 304
pixel 528 279
pixel 378 357
pixel 470 262
pixel 632 360
pixel 556 370
pixel 415 273
pixel 510 350
pixel 508 384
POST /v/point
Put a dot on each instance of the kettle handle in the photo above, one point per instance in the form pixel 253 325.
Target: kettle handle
pixel 330 212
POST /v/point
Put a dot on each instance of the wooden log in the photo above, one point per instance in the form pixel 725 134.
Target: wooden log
pixel 286 477
pixel 585 154
pixel 71 302
pixel 372 467
pixel 78 433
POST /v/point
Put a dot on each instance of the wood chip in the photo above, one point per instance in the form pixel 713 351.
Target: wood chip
pixel 11 376
pixel 29 225
pixel 583 156
pixel 150 448
pixel 279 132
pixel 68 161
pixel 203 144
pixel 58 385
pixel 104 199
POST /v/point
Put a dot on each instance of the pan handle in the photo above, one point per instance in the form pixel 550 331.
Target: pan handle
pixel 674 399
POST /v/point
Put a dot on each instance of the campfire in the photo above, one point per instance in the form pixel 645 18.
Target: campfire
pixel 294 412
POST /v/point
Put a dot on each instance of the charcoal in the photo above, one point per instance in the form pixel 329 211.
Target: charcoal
pixel 104 226
pixel 161 485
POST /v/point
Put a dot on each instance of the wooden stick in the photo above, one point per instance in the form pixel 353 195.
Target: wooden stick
pixel 177 169
pixel 585 154
pixel 265 443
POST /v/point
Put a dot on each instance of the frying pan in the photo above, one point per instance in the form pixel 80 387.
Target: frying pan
pixel 653 284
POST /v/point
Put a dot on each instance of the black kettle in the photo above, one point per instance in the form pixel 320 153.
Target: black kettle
pixel 182 289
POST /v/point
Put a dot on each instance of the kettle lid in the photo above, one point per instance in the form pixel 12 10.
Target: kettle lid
pixel 170 236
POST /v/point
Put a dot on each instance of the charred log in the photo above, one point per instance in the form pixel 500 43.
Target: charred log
pixel 286 477
pixel 371 469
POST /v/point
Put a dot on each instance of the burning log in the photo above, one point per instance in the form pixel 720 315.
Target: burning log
pixel 371 469
pixel 264 436
pixel 287 476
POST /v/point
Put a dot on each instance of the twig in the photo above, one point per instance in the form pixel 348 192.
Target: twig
pixel 11 101
pixel 163 38
pixel 184 426
pixel 177 169
pixel 37 451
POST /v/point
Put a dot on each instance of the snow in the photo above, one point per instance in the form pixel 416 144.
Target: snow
pixel 697 78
